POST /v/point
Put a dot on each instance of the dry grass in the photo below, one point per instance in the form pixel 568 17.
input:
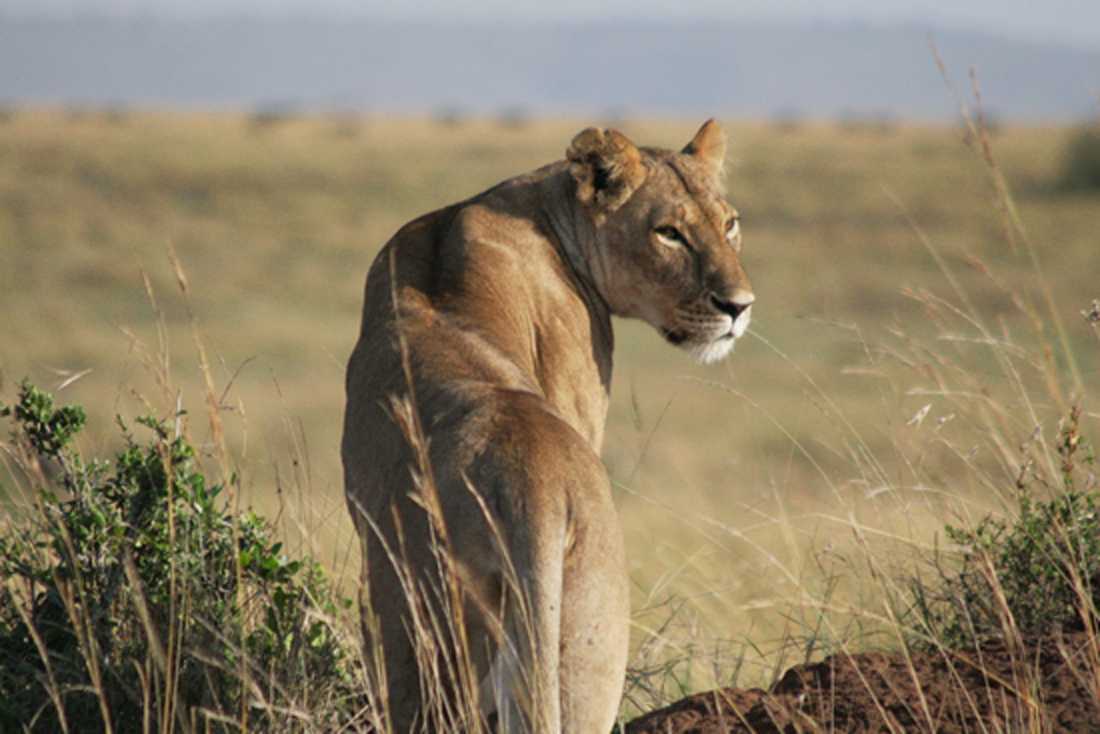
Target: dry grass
pixel 905 353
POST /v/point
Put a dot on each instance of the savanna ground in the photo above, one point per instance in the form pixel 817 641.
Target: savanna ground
pixel 904 360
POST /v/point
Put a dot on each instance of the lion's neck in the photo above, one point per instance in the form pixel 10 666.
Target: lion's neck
pixel 569 229
pixel 564 232
pixel 578 381
pixel 551 323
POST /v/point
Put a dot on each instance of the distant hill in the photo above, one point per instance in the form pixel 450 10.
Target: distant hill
pixel 728 68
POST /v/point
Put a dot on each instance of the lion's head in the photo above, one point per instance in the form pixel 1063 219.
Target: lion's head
pixel 666 244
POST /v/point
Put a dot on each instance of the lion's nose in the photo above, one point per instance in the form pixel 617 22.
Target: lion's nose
pixel 737 303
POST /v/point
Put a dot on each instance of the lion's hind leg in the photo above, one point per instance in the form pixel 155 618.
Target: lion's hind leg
pixel 520 690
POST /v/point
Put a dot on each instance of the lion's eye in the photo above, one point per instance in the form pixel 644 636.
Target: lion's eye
pixel 733 228
pixel 670 236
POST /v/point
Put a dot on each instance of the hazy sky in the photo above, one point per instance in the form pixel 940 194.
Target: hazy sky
pixel 1061 21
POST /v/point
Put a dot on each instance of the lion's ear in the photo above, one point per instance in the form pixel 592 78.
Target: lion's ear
pixel 709 147
pixel 608 168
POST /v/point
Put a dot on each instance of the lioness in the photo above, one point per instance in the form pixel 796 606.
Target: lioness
pixel 492 317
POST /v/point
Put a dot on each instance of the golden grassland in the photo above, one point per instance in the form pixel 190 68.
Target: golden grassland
pixel 903 349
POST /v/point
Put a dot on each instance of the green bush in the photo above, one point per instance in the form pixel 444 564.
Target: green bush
pixel 133 596
pixel 1030 576
pixel 1081 165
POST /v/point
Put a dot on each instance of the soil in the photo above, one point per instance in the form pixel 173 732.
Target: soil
pixel 1048 686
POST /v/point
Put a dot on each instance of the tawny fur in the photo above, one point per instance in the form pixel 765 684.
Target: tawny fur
pixel 504 305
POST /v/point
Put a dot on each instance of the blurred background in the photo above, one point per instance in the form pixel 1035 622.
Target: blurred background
pixel 789 59
pixel 222 173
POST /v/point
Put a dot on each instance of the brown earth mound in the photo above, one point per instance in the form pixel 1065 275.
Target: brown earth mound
pixel 1053 686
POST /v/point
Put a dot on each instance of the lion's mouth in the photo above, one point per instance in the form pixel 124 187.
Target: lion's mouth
pixel 676 337
pixel 683 337
pixel 708 339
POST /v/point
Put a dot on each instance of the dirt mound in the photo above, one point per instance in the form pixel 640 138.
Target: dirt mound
pixel 1048 687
